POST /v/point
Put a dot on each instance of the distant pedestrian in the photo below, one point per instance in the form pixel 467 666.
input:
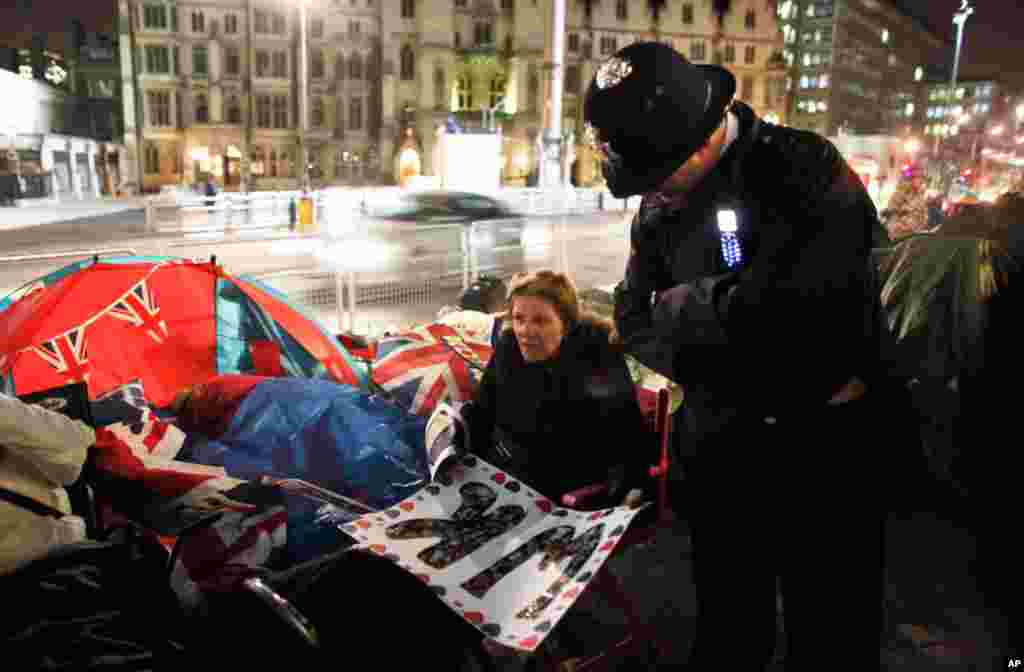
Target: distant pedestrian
pixel 210 189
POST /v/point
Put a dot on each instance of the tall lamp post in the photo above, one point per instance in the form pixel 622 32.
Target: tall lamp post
pixel 550 167
pixel 959 19
pixel 303 96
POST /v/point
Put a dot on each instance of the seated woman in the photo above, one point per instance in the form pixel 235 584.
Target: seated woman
pixel 556 405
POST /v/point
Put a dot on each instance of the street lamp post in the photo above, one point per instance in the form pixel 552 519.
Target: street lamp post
pixel 303 96
pixel 550 167
pixel 959 19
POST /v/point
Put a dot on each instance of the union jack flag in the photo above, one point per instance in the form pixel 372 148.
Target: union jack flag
pixel 138 306
pixel 68 354
pixel 429 364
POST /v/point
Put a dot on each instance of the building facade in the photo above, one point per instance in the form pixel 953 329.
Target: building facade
pixel 857 66
pixel 214 88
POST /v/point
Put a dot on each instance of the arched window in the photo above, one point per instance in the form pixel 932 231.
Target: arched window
pixel 317 112
pixel 339 67
pixel 497 89
pixel 316 65
pixel 464 92
pixel 408 64
pixel 202 109
pixel 440 97
pixel 355 66
pixel 233 110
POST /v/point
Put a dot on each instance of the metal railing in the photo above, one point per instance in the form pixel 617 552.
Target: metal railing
pixel 370 293
pixel 72 254
pixel 274 209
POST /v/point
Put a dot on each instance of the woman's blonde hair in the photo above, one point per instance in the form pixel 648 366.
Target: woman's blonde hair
pixel 555 288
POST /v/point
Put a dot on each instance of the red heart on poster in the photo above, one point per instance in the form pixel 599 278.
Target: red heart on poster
pixel 545 505
pixel 365 524
pixel 569 594
pixel 596 515
pixel 528 643
pixel 608 545
pixel 378 548
pixel 474 617
pixel 407 506
pixel 498 478
pixel 425 578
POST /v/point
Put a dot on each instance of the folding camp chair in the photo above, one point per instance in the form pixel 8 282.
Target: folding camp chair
pixel 645 528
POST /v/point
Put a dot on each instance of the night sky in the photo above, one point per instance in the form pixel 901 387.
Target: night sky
pixel 992 38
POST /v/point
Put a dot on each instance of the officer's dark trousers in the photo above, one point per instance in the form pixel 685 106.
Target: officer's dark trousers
pixel 800 499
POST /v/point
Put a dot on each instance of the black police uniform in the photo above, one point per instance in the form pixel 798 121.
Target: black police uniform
pixel 780 482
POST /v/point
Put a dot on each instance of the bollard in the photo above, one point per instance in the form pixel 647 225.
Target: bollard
pixel 306 215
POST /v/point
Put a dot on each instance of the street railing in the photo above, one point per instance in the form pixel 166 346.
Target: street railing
pixel 274 209
pixel 369 286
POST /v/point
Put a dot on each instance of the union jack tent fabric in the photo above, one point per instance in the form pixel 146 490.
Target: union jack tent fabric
pixel 168 322
pixel 431 363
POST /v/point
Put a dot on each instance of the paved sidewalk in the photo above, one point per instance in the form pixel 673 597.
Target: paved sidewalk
pixel 65 210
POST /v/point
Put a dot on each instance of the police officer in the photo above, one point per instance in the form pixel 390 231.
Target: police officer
pixel 750 284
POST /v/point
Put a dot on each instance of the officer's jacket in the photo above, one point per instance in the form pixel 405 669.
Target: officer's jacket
pixel 798 317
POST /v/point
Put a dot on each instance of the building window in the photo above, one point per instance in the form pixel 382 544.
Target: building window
pixel 483 34
pixel 152 159
pixel 316 65
pixel 317 112
pixel 159 108
pixel 200 62
pixel 698 51
pixel 260 24
pixel 750 20
pixel 277 26
pixel 748 89
pixel 408 9
pixel 572 79
pixel 688 13
pixel 262 63
pixel 230 24
pixel 460 3
pixel 263 111
pixel 408 64
pixel 198 22
pixel 464 92
pixel 280 64
pixel 730 53
pixel 508 4
pixel 258 161
pixel 440 99
pixel 498 90
pixel 621 10
pixel 355 114
pixel 154 17
pixel 339 67
pixel 353 28
pixel 533 90
pixel 574 42
pixel 750 55
pixel 355 67
pixel 232 61
pixel 202 109
pixel 157 60
pixel 233 111
pixel 608 46
pixel 458 40
pixel 280 112
pixel 316 28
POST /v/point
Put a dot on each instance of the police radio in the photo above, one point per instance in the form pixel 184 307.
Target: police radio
pixel 728 226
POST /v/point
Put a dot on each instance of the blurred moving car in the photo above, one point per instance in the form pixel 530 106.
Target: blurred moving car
pixel 432 227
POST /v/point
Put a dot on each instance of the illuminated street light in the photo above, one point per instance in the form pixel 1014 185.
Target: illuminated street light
pixel 303 96
pixel 1020 112
pixel 998 130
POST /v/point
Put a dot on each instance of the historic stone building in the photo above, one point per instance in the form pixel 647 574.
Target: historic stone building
pixel 215 82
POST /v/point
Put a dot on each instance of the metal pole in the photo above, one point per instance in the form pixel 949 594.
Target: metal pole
pixel 959 18
pixel 552 173
pixel 303 73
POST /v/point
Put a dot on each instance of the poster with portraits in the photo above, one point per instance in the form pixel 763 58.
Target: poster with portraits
pixel 506 559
